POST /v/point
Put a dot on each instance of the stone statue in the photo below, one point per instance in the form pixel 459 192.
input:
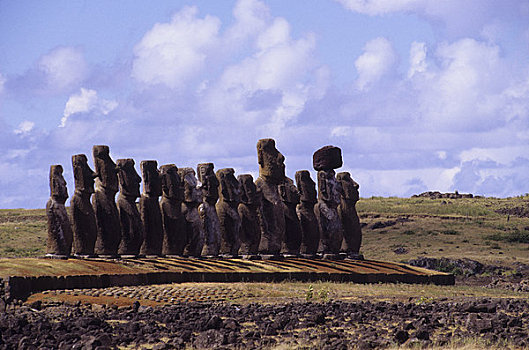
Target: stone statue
pixel 290 197
pixel 83 217
pixel 250 211
pixel 129 216
pixel 174 225
pixel 59 229
pixel 151 215
pixel 305 212
pixel 192 198
pixel 329 191
pixel 271 174
pixel 352 231
pixel 230 221
pixel 209 186
pixel 105 209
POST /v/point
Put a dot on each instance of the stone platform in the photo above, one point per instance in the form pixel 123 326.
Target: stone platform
pixel 24 276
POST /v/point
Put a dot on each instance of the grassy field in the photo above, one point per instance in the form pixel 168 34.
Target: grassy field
pixel 395 229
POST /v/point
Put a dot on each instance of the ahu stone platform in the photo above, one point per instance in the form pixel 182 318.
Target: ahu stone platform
pixel 24 276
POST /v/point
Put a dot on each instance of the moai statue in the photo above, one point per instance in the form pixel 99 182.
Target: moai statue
pixel 290 197
pixel 151 215
pixel 129 216
pixel 105 209
pixel 192 199
pixel 325 160
pixel 174 224
pixel 250 211
pixel 209 186
pixel 59 229
pixel 271 174
pixel 305 212
pixel 352 232
pixel 82 212
pixel 230 221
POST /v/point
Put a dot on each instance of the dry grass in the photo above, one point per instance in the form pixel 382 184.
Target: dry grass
pixel 452 228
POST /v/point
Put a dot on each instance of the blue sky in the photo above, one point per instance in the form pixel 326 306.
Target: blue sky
pixel 419 94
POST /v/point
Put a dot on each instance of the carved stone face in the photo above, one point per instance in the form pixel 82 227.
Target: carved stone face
pixel 229 186
pixel 172 186
pixel 58 189
pixel 105 168
pixel 209 182
pixel 329 190
pixel 271 161
pixel 82 174
pixel 349 186
pixel 129 180
pixel 191 193
pixel 152 183
pixel 288 192
pixel 249 192
pixel 306 186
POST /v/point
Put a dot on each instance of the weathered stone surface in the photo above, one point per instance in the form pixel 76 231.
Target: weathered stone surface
pixel 82 212
pixel 305 211
pixel 151 215
pixel 329 223
pixel 207 211
pixel 250 211
pixel 271 174
pixel 174 224
pixel 129 216
pixel 290 197
pixel 229 219
pixel 352 230
pixel 105 209
pixel 327 158
pixel 60 234
pixel 194 227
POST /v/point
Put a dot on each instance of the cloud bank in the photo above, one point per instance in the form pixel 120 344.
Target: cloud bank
pixel 451 114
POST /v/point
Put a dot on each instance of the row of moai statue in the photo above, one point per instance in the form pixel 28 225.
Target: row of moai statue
pixel 214 215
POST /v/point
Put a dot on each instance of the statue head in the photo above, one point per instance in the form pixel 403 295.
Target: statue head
pixel 249 192
pixel 82 174
pixel 288 192
pixel 172 186
pixel 209 182
pixel 105 168
pixel 58 189
pixel 306 186
pixel 152 183
pixel 191 193
pixel 329 190
pixel 129 180
pixel 229 186
pixel 349 186
pixel 271 161
pixel 327 158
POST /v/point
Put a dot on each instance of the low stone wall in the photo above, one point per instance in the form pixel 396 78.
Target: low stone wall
pixel 20 287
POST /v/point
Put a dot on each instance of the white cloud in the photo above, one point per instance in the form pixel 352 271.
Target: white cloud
pixel 251 17
pixel 25 127
pixel 454 18
pixel 417 58
pixel 379 7
pixel 172 53
pixel 87 101
pixel 271 87
pixel 2 83
pixel 464 90
pixel 341 131
pixel 64 67
pixel 377 59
